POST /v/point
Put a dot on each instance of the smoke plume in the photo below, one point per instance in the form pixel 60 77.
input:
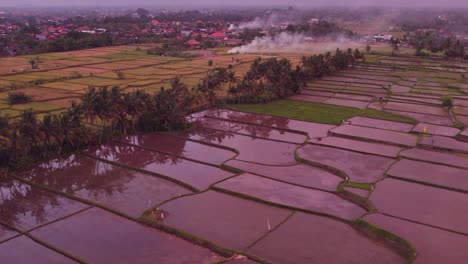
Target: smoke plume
pixel 281 41
pixel 273 19
pixel 294 42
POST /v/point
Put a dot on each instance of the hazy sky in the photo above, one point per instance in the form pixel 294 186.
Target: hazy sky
pixel 192 3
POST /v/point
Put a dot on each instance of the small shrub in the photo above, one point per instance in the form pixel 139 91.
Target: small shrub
pixel 75 74
pixel 210 63
pixel 13 86
pixel 18 98
pixel 368 48
pixel 120 75
pixel 389 89
pixel 447 101
pixel 38 81
pixel 422 54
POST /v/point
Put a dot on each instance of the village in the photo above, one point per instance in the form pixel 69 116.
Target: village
pixel 20 34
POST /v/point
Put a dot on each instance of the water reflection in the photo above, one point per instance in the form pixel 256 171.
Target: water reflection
pixel 314 130
pixel 72 172
pixel 264 120
pixel 258 131
pixel 132 155
pixel 24 207
pixel 182 147
pixel 197 175
pixel 251 118
pixel 250 149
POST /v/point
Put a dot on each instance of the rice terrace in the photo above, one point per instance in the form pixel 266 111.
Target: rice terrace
pixel 362 163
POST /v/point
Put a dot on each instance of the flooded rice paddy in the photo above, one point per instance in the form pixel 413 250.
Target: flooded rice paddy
pixel 253 188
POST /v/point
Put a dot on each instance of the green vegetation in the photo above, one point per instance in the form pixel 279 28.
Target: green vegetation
pixel 317 112
pixel 447 101
pixel 364 186
pixel 404 247
pixel 433 42
pixel 28 138
pixel 271 79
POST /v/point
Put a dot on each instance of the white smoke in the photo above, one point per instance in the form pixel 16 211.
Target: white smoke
pixel 294 43
pixel 261 23
pixel 282 41
pixel 274 19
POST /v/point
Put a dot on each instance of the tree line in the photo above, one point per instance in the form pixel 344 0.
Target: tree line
pixel 434 43
pixel 273 78
pixel 104 113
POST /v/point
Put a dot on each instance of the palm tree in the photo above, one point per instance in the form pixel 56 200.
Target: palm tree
pixel 232 79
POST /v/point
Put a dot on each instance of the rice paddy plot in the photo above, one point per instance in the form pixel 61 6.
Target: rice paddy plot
pixel 25 207
pixel 299 174
pixel 171 167
pixel 292 196
pixel 96 81
pixel 433 174
pixel 376 135
pixel 84 235
pixel 440 208
pixel 252 130
pixel 291 242
pixel 359 146
pixel 181 147
pixel 251 149
pixel 422 238
pixel 36 106
pixel 13 251
pixel 228 221
pixel 313 130
pixel 66 86
pixel 359 167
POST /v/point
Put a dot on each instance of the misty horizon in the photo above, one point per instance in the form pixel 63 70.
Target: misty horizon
pixel 185 4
